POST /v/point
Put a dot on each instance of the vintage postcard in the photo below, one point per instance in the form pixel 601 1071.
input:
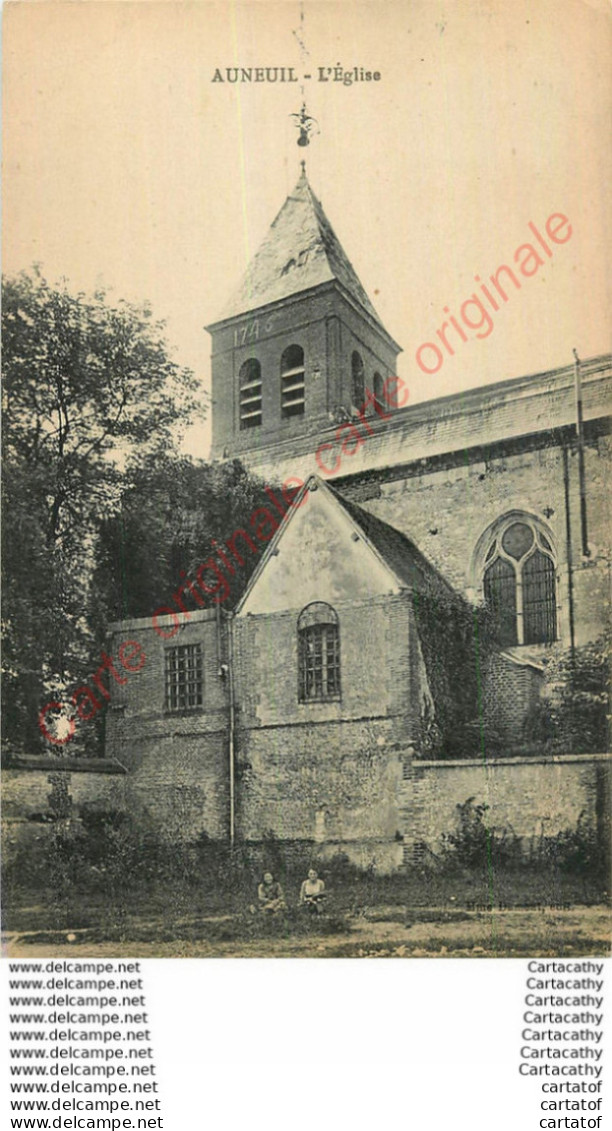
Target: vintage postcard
pixel 307 381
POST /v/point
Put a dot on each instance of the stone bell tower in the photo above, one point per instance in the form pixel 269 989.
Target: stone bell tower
pixel 298 343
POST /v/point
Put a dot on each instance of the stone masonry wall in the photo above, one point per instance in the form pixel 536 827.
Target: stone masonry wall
pixel 344 791
pixel 26 792
pixel 330 782
pixel 527 797
pixel 447 511
pixel 326 770
pixel 26 797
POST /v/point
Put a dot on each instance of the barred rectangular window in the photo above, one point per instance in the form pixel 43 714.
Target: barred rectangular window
pixel 184 677
pixel 319 663
pixel 318 653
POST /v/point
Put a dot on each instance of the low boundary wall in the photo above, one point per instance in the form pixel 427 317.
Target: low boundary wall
pixel 530 798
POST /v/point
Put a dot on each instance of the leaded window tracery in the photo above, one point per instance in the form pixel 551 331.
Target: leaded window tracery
pixel 519 582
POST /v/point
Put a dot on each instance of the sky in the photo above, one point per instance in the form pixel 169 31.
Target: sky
pixel 126 165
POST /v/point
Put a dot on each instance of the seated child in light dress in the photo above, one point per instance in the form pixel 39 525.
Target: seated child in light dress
pixel 312 892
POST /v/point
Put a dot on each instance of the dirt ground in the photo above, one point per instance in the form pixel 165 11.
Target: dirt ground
pixel 504 933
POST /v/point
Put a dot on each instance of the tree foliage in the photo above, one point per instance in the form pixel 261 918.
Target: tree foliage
pixel 170 516
pixel 85 384
pixel 89 386
pixel 573 715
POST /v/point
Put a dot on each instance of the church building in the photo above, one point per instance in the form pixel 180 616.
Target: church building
pixel 387 656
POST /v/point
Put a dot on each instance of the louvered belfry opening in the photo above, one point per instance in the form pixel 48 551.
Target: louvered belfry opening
pixel 293 390
pixel 357 379
pixel 251 412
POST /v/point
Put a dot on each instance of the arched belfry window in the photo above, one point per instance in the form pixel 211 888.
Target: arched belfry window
pixel 357 379
pixel 250 393
pixel 318 653
pixel 378 388
pixel 292 382
pixel 519 581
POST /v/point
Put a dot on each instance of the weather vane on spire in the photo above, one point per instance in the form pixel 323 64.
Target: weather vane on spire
pixel 303 121
pixel 305 124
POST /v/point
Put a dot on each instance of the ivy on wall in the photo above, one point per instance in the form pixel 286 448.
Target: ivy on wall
pixel 456 639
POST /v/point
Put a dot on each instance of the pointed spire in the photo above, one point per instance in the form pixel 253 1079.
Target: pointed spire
pixel 300 251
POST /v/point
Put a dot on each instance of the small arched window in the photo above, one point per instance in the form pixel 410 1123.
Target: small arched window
pixel 318 653
pixel 378 389
pixel 250 393
pixel 292 382
pixel 520 583
pixel 357 380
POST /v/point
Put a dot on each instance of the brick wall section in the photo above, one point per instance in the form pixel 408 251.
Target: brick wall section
pixel 509 692
pixel 328 328
pixel 375 664
pixel 528 797
pixel 177 761
pixel 142 696
pixel 181 778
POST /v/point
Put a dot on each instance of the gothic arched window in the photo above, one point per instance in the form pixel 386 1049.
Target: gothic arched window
pixel 292 381
pixel 357 379
pixel 250 393
pixel 318 653
pixel 519 582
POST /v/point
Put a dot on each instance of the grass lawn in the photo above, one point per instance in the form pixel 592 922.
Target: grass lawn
pixel 167 910
pixel 508 933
